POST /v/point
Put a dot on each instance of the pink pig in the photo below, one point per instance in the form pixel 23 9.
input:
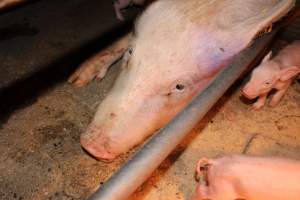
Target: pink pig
pixel 248 178
pixel 277 73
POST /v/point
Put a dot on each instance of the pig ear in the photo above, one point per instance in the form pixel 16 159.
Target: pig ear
pixel 267 57
pixel 289 72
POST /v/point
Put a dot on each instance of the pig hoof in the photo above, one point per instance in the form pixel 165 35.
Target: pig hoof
pixel 83 77
pixel 78 79
pixel 97 150
pixel 86 73
pixel 273 104
pixel 257 107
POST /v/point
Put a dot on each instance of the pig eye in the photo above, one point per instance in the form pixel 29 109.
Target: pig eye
pixel 130 50
pixel 268 83
pixel 179 87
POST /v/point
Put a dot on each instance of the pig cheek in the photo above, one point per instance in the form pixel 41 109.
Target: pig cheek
pixel 97 128
pixel 159 110
pixel 175 102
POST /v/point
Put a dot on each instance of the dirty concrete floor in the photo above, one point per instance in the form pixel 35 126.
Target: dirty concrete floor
pixel 41 157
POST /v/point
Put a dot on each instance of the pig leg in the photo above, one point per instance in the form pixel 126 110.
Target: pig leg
pixel 278 95
pixel 260 102
pixel 97 65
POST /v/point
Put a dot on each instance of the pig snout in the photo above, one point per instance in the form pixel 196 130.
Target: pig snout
pixel 249 92
pixel 97 144
pixel 96 150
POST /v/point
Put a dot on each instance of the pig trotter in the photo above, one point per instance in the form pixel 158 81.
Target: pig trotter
pixel 97 65
pixel 94 67
pixel 260 102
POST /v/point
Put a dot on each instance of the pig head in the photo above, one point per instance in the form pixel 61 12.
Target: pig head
pixel 177 49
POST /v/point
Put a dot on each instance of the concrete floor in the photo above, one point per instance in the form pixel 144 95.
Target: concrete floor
pixel 41 157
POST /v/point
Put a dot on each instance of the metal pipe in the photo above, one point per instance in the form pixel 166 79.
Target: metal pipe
pixel 123 183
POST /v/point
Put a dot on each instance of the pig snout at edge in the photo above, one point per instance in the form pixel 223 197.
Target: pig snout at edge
pixel 246 178
pixel 173 56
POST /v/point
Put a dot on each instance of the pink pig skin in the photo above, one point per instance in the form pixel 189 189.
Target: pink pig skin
pixel 277 73
pixel 249 178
